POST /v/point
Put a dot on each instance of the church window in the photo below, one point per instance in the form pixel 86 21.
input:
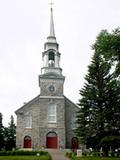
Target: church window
pixel 51 113
pixel 28 120
pixel 73 122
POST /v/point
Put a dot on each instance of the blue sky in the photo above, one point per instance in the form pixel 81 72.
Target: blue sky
pixel 24 26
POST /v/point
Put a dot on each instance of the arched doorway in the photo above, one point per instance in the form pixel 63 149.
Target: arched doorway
pixel 27 142
pixel 74 143
pixel 51 140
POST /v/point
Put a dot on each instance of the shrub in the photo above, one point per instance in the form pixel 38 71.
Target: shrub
pixel 69 155
pixel 22 153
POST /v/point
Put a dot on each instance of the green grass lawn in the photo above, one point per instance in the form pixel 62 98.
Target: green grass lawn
pixel 24 158
pixel 97 158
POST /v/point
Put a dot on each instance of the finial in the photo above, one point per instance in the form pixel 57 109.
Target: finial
pixel 51 4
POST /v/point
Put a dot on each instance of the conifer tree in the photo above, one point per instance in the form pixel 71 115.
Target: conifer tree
pixel 98 103
pixel 1 133
pixel 10 135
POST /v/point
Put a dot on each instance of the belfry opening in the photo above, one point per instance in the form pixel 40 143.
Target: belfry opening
pixel 51 59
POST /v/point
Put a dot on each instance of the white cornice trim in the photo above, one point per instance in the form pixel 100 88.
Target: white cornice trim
pixel 53 97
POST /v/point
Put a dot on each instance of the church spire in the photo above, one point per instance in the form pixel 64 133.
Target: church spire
pixel 51 55
pixel 52 30
pixel 51 39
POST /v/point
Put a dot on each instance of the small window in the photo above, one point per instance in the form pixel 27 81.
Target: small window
pixel 28 120
pixel 51 113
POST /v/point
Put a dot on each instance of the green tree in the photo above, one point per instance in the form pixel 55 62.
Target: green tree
pixel 108 45
pixel 10 135
pixel 1 133
pixel 100 99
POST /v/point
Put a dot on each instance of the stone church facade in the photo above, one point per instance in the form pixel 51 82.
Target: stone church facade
pixel 48 120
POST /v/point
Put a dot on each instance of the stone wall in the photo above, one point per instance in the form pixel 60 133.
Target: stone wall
pixel 40 126
pixel 70 114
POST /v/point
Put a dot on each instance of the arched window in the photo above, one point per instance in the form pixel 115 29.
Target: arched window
pixel 51 134
pixel 28 120
pixel 51 113
pixel 51 59
pixel 27 142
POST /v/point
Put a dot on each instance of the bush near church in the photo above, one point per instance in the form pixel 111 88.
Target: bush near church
pixel 24 158
pixel 23 153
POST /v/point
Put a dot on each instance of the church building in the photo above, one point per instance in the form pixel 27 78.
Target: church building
pixel 48 120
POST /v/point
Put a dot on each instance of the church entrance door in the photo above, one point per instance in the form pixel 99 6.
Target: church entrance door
pixel 74 143
pixel 27 142
pixel 51 140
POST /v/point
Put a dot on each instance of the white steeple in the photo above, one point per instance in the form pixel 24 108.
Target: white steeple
pixel 52 31
pixel 51 55
pixel 51 38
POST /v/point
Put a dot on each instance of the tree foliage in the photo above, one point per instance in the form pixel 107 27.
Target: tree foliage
pixel 98 116
pixel 1 133
pixel 108 45
pixel 10 135
pixel 7 135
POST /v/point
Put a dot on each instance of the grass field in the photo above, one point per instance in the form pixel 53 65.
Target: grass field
pixel 97 158
pixel 24 158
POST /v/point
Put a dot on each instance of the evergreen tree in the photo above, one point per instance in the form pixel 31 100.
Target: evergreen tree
pixel 1 133
pixel 98 103
pixel 10 135
pixel 108 45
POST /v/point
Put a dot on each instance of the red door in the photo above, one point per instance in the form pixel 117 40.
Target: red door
pixel 51 140
pixel 27 142
pixel 74 143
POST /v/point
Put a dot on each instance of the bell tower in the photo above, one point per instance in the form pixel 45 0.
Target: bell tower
pixel 51 55
pixel 51 79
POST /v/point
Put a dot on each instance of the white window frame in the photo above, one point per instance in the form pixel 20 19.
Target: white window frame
pixel 73 122
pixel 28 120
pixel 52 115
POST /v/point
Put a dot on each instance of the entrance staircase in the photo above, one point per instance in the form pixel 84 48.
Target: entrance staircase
pixel 57 154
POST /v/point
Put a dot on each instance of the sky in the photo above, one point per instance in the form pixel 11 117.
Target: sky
pixel 24 27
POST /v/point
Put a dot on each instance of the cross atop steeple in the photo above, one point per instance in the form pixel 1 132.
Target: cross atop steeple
pixel 51 4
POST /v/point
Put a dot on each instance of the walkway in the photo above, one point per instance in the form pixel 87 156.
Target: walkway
pixel 57 154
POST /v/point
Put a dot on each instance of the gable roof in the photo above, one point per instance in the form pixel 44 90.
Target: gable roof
pixel 69 101
pixel 27 104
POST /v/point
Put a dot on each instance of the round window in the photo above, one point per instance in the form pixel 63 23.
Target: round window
pixel 51 88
